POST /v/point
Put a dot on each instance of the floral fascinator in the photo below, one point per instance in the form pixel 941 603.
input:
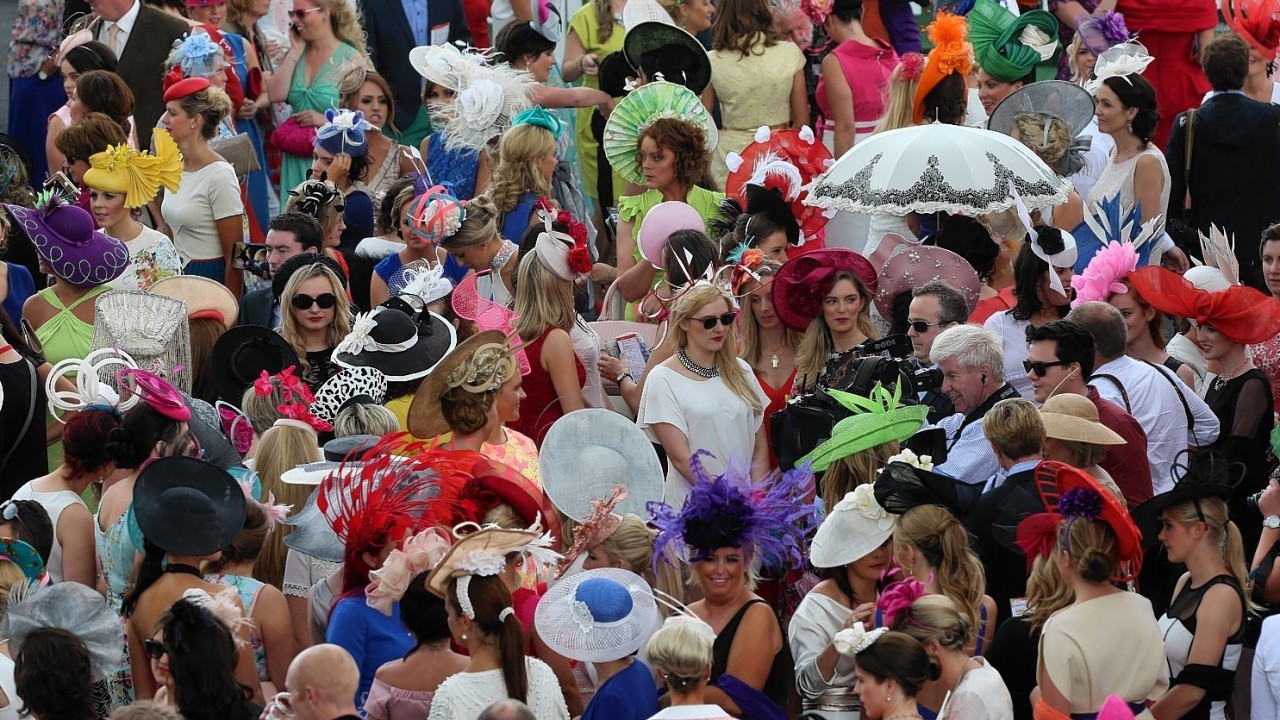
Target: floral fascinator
pixel 484 553
pixel 1123 60
pixel 489 99
pixel 420 553
pixel 564 254
pixel 855 639
pixel 345 133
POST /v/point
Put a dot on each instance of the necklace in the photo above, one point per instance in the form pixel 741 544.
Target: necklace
pixel 773 361
pixel 903 715
pixel 695 368
pixel 1222 380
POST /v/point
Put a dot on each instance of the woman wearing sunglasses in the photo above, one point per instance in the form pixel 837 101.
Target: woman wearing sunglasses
pixel 317 317
pixel 193 655
pixel 767 345
pixel 705 397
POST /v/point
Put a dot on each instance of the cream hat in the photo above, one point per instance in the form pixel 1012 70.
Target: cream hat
pixel 1075 418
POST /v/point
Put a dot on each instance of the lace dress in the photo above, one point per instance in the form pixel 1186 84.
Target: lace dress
pixel 465 695
pixel 1266 356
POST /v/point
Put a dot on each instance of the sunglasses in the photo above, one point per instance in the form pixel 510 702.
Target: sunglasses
pixel 155 649
pixel 1040 368
pixel 301 15
pixel 710 322
pixel 304 302
pixel 922 327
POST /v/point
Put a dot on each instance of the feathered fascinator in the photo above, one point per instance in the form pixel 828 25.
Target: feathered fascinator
pixel 313 196
pixel 435 214
pixel 818 10
pixel 221 608
pixel 1103 275
pixel 1219 252
pixel 379 497
pixel 420 553
pixel 1257 21
pixel 345 133
pixel 1121 61
pixel 1103 31
pixel 470 485
pixel 782 162
pixel 137 175
pixel 1242 314
pixel 69 606
pixel 1105 223
pixel 951 53
pixel 767 519
pixel 599 525
pixel 489 99
pixel 90 391
pixel 198 55
pixel 745 265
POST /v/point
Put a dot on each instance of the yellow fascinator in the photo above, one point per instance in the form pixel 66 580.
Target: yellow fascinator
pixel 138 175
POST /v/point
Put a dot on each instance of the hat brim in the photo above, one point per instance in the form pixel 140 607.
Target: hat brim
pixel 634 464
pixel 202 296
pixel 558 624
pixel 241 355
pixel 649 37
pixel 84 264
pixel 864 431
pixel 794 291
pixel 1061 426
pixel 410 364
pixel 911 266
pixel 1128 536
pixel 312 535
pixel 838 543
pixel 426 420
pixel 171 529
pixel 498 541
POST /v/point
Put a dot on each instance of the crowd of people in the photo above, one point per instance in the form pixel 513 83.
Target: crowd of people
pixel 495 359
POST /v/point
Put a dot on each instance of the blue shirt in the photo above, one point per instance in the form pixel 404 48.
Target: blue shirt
pixel 371 637
pixel 630 695
pixel 416 12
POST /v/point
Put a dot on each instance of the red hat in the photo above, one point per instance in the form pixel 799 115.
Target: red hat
pixel 185 88
pixel 783 161
pixel 1108 509
pixel 802 282
pixel 1257 21
pixel 1242 314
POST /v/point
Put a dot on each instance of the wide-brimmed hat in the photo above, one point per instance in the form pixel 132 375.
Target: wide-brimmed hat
pixel 588 452
pixel 349 387
pixel 1242 314
pixel 204 298
pixel 662 48
pixel 854 528
pixel 909 265
pixel 64 237
pixel 643 107
pixel 1257 22
pixel 484 553
pixel 901 486
pixel 872 421
pixel 390 341
pixel 801 283
pixel 440 63
pixel 22 554
pixel 597 615
pixel 1076 500
pixel 188 506
pixel 1075 418
pixel 311 534
pixel 242 354
pixel 1199 475
pixel 426 419
pixel 471 485
pixel 152 329
pixel 1047 101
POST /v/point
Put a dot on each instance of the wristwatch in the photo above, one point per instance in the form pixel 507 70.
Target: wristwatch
pixel 1272 521
pixel 628 375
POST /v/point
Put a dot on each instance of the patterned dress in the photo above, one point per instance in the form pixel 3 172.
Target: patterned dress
pixel 116 555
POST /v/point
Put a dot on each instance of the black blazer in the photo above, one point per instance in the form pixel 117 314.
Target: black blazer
pixel 1004 506
pixel 258 308
pixel 142 64
pixel 390 38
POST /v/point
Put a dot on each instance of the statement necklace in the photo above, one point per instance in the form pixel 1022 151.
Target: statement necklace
pixel 695 368
pixel 1222 380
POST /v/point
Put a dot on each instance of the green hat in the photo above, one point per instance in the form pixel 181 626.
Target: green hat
pixel 874 421
pixel 1010 46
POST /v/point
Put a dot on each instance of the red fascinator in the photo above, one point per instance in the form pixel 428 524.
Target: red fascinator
pixel 185 88
pixel 1036 535
pixel 1257 21
pixel 155 391
pixel 782 162
pixel 472 485
pixel 1240 313
pixel 803 281
pixel 1080 497
pixel 379 497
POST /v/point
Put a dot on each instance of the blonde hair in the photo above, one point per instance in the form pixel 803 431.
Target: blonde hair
pixel 365 419
pixel 850 471
pixel 937 617
pixel 749 347
pixel 543 299
pixel 603 10
pixel 1047 591
pixel 1051 146
pixel 338 327
pixel 327 214
pixel 900 106
pixel 1091 546
pixel 681 653
pixel 1072 50
pixel 735 378
pixel 816 344
pixel 283 448
pixel 263 410
pixel 517 171
pixel 1220 531
pixel 344 23
pixel 943 541
pixel 1013 426
pixel 479 227
pixel 11 576
pixel 210 104
pixel 631 543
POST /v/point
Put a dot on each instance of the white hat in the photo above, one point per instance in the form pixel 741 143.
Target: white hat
pixel 855 528
pixel 598 615
pixel 588 452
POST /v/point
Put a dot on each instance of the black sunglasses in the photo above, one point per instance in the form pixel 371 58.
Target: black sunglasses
pixel 710 322
pixel 1040 368
pixel 921 326
pixel 304 302
pixel 155 649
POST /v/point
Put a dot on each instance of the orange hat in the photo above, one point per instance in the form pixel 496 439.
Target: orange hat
pixel 951 53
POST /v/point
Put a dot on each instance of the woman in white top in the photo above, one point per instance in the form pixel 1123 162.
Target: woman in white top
pixel 705 397
pixel 680 653
pixel 1037 300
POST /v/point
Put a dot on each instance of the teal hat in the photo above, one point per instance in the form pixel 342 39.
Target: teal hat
pixel 542 118
pixel 1010 46
pixel 874 421
pixel 24 556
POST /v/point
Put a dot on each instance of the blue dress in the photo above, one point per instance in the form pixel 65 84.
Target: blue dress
pixel 371 637
pixel 257 208
pixel 389 267
pixel 516 222
pixel 21 287
pixel 455 167
pixel 629 695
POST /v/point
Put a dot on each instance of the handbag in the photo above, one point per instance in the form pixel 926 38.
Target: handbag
pixel 291 137
pixel 238 151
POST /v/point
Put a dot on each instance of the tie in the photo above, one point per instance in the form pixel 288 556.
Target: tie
pixel 113 38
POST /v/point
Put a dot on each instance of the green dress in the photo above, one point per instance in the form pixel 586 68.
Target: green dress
pixel 634 208
pixel 588 29
pixel 65 336
pixel 321 95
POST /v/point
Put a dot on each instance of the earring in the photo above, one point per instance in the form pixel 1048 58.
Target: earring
pixel 464 636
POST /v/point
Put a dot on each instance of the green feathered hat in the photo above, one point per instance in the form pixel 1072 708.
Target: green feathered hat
pixel 874 420
pixel 1010 46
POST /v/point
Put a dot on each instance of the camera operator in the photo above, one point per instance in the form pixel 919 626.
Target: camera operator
pixel 972 365
pixel 935 306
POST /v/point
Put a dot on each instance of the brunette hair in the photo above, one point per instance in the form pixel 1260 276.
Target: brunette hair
pixel 92 55
pixel 204 333
pixel 937 617
pixel 202 661
pixel 1029 270
pixel 899 657
pixel 422 612
pixel 248 544
pixel 739 25
pixel 351 96
pixel 947 101
pixel 686 142
pixel 816 344
pixel 106 92
pixel 133 441
pixel 489 597
pixel 51 672
pixel 84 439
pixel 91 136
pixel 1135 91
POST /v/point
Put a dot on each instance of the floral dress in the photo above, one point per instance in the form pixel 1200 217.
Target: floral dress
pixel 152 257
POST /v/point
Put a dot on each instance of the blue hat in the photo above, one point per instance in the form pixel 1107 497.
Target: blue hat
pixel 344 134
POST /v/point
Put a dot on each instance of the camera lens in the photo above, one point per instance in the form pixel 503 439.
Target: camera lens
pixel 1253 499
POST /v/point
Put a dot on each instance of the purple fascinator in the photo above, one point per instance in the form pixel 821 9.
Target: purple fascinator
pixel 768 518
pixel 1099 32
pixel 1080 503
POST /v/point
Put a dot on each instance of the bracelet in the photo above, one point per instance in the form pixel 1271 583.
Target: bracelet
pixel 294 59
pixel 579 64
pixel 626 374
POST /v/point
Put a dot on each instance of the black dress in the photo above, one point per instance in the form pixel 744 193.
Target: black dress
pixel 27 456
pixel 780 675
pixel 1014 652
pixel 1244 410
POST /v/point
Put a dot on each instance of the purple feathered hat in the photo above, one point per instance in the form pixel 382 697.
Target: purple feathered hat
pixel 769 519
pixel 64 237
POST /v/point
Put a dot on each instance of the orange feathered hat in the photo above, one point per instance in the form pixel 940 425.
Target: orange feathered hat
pixel 951 53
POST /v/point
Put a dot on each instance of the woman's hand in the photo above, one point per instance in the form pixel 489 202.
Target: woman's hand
pixel 603 273
pixel 590 64
pixel 1175 260
pixel 606 108
pixel 247 110
pixel 311 118
pixel 296 44
pixel 864 613
pixel 340 170
pixel 611 367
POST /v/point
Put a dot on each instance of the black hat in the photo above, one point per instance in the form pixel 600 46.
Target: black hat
pixel 293 264
pixel 240 356
pixel 902 486
pixel 1204 474
pixel 763 201
pixel 188 506
pixel 337 449
pixel 659 47
pixel 390 341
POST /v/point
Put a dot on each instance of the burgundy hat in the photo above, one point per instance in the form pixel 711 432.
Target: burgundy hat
pixel 64 237
pixel 186 88
pixel 802 282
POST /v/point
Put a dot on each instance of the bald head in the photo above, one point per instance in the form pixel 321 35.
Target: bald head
pixel 1105 324
pixel 507 710
pixel 324 678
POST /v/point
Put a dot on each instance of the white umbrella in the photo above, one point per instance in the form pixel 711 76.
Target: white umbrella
pixel 937 168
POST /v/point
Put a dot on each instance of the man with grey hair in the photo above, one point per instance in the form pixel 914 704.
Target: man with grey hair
pixel 971 359
pixel 1173 415
pixel 507 710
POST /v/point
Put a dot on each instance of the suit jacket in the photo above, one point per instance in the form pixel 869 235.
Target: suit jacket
pixel 996 516
pixel 258 308
pixel 142 64
pixel 389 38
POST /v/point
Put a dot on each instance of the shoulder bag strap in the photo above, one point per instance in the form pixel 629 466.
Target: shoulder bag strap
pixel 1124 395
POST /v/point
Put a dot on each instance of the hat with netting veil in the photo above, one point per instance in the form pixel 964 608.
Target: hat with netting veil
pixel 1048 101
pixel 152 328
pixel 597 615
pixel 69 606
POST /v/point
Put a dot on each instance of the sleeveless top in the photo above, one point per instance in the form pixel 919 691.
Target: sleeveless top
pixel 541 406
pixel 53 503
pixel 378 181
pixel 516 220
pixel 248 589
pixel 777 400
pixel 64 335
pixel 1117 179
pixel 455 167
pixel 775 686
pixel 866 69
pixel 390 266
pixel 1178 626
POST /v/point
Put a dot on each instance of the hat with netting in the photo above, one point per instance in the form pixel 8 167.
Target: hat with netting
pixel 598 615
pixel 153 329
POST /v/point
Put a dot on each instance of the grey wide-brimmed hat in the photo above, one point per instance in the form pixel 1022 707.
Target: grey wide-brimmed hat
pixel 311 533
pixel 588 452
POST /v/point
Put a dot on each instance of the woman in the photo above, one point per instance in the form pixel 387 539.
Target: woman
pixel 531 48
pixel 1042 273
pixel 1126 110
pixel 901 93
pixel 942 91
pixel 466 170
pixel 365 91
pixel 825 294
pixel 1266 354
pixel 681 655
pixel 323 201
pixel 481 619
pixel 594 34
pixel 522 177
pixel 757 78
pixel 1005 65
pixel 1144 336
pixel 726 523
pixel 73 61
pixel 479 244
pixel 421 221
pixel 1107 641
pixel 704 398
pixel 242 18
pixel 852 551
pixel 891 665
pixel 323 35
pixel 317 318
pixel 693 16
pixel 22 371
pixel 120 182
pixel 341 157
pixel 105 92
pixel 933 547
pixel 51 672
pixel 853 86
pixel 199 650
pixel 767 345
pixel 206 214
pixel 1074 435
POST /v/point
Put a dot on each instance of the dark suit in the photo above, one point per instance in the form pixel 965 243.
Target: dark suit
pixel 1235 173
pixel 389 38
pixel 259 307
pixel 142 64
pixel 999 511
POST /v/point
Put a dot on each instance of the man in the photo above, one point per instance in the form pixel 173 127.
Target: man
pixel 935 306
pixel 1060 360
pixel 290 234
pixel 321 683
pixel 393 28
pixel 142 54
pixel 1233 157
pixel 507 710
pixel 972 363
pixel 1172 414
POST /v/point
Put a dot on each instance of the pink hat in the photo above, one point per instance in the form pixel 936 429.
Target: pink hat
pixel 664 219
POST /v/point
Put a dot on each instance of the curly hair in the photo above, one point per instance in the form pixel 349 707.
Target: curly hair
pixel 517 172
pixel 739 25
pixel 18 191
pixel 1051 146
pixel 92 136
pixel 686 141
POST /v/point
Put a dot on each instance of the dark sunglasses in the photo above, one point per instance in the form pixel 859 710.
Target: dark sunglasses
pixel 1040 368
pixel 155 649
pixel 710 322
pixel 301 15
pixel 922 327
pixel 304 302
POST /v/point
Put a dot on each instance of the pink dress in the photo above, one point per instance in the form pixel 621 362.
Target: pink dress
pixel 393 703
pixel 867 71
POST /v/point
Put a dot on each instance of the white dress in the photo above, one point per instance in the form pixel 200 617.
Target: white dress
pixel 465 695
pixel 53 503
pixel 586 345
pixel 152 257
pixel 1117 178
pixel 10 687
pixel 1013 339
pixel 815 623
pixel 980 695
pixel 711 417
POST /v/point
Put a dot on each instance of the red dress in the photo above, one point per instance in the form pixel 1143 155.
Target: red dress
pixel 1168 30
pixel 777 400
pixel 541 406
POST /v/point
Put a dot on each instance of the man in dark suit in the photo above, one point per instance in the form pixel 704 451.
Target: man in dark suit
pixel 142 38
pixel 288 235
pixel 393 28
pixel 1234 158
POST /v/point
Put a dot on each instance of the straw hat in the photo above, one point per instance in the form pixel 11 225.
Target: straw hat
pixel 1075 418
pixel 597 615
pixel 204 298
pixel 484 553
pixel 426 419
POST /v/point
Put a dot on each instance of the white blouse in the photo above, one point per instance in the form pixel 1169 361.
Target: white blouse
pixel 465 695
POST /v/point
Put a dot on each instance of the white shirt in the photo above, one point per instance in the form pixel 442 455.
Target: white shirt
pixel 1266 671
pixel 465 695
pixel 1001 475
pixel 1154 402
pixel 125 23
pixel 1095 160
pixel 970 459
pixel 981 695
pixel 1013 340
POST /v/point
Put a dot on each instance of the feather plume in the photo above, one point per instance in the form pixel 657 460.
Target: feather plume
pixel 776 173
pixel 1219 251
pixel 1103 275
pixel 949 34
pixel 379 496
